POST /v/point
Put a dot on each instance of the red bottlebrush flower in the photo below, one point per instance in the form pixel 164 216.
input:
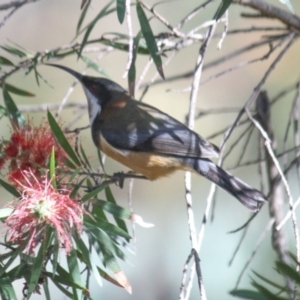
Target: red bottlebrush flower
pixel 11 150
pixel 29 148
pixel 41 206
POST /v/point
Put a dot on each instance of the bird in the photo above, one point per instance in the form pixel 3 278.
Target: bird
pixel 152 143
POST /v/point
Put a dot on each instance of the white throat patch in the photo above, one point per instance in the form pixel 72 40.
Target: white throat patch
pixel 93 104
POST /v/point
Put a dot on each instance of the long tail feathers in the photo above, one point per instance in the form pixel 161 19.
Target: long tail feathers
pixel 250 197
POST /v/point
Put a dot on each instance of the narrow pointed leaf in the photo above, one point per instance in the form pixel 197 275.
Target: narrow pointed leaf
pixel 104 12
pixel 222 8
pixel 46 290
pixel 6 288
pixel 288 271
pixel 6 62
pixel 104 241
pixel 85 157
pixel 110 228
pixel 92 194
pixel 82 16
pixel 117 211
pixel 132 71
pixel 268 295
pixel 15 90
pixel 75 273
pixel 247 294
pixel 14 51
pixel 52 168
pixel 61 288
pixel 3 111
pixel 62 139
pixel 121 10
pixel 11 189
pixel 110 198
pixel 16 118
pixel 36 271
pixel 150 39
pixel 92 65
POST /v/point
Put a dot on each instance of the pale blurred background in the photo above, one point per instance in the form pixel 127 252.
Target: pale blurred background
pixel 155 271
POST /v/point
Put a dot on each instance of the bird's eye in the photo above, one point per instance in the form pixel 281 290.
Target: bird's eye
pixel 93 87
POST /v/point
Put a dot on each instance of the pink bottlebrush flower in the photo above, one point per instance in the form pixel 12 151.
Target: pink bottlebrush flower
pixel 41 205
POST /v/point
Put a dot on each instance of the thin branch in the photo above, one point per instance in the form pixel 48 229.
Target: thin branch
pixel 258 87
pixel 191 120
pixel 130 33
pixel 272 11
pixel 276 199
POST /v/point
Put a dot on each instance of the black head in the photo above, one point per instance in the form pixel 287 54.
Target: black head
pixel 99 91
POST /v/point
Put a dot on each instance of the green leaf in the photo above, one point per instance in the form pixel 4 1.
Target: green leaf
pixel 75 273
pixel 6 62
pixel 3 111
pixel 7 291
pixel 46 289
pixel 55 255
pixel 107 227
pixel 222 8
pixel 5 212
pixel 269 281
pixel 11 189
pixel 124 46
pixel 132 71
pixel 117 211
pixel 76 188
pixel 36 271
pixel 15 90
pixel 100 159
pixel 104 12
pixel 13 256
pixel 268 295
pixel 19 271
pixel 121 10
pixel 110 198
pixel 92 65
pixel 83 250
pixel 52 168
pixel 56 280
pixel 247 294
pixel 82 16
pixel 150 39
pixel 62 139
pixel 63 277
pixel 92 194
pixel 14 51
pixel 86 161
pixel 288 271
pixel 16 118
pixel 104 240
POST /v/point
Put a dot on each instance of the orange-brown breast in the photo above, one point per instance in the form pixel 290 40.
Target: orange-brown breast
pixel 150 165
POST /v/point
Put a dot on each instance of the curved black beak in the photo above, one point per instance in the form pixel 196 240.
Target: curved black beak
pixel 72 72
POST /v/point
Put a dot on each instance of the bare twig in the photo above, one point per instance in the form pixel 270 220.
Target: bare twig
pixel 272 11
pixel 130 33
pixel 258 87
pixel 276 202
pixel 191 121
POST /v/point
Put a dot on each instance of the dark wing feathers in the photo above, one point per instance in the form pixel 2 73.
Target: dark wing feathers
pixel 147 129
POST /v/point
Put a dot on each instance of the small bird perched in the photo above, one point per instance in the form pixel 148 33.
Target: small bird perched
pixel 151 142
